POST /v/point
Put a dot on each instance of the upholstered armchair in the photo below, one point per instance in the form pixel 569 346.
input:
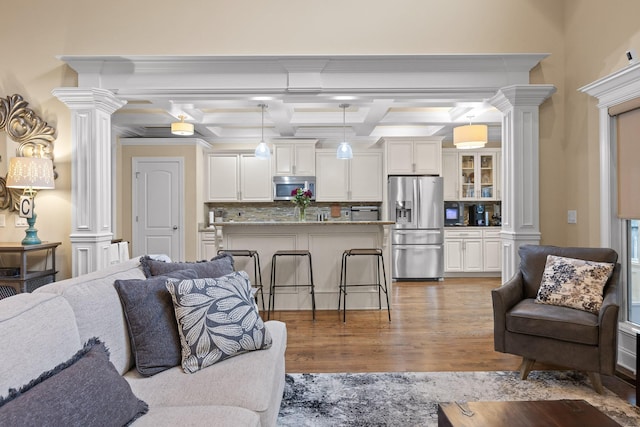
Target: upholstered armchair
pixel 568 337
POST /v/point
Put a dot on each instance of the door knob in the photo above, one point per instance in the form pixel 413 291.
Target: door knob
pixel 175 227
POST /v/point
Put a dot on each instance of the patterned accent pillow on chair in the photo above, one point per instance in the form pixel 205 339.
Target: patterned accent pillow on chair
pixel 574 283
pixel 217 319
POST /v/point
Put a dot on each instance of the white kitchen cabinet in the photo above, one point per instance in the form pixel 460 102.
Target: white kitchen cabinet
pixel 238 177
pixel 414 156
pixel 450 174
pixel 463 251
pixel 491 250
pixel 478 175
pixel 208 245
pixel 294 158
pixel 357 179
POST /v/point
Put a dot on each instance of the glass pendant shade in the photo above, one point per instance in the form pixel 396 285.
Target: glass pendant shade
pixel 344 151
pixel 262 150
pixel 470 136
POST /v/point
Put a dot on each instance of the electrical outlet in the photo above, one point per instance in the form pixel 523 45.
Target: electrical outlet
pixel 21 222
pixel 3 220
pixel 572 216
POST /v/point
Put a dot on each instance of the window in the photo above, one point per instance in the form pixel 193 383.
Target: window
pixel 633 280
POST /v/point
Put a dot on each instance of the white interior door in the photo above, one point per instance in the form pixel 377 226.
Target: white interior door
pixel 157 202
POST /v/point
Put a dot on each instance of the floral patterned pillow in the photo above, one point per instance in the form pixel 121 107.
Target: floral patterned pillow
pixel 574 283
pixel 217 319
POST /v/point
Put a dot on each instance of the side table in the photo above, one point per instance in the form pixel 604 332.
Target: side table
pixel 26 280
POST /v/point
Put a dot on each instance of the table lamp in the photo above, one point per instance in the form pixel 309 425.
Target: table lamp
pixel 30 174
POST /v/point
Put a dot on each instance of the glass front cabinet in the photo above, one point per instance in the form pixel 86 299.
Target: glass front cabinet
pixel 478 180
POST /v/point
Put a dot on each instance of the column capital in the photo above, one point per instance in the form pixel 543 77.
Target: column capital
pixel 76 98
pixel 521 96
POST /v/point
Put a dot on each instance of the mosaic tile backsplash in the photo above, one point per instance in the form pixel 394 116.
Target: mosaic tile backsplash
pixel 279 211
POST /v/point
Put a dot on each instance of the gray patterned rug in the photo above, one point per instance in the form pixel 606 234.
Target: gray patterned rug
pixel 411 399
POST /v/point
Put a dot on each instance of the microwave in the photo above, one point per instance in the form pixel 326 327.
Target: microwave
pixel 284 185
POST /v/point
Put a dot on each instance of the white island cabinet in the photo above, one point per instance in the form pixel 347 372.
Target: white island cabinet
pixel 326 241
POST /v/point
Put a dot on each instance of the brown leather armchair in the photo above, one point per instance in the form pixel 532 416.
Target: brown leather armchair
pixel 560 336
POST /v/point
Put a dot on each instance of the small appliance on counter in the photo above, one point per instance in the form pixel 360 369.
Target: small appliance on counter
pixel 453 214
pixel 365 213
pixel 477 215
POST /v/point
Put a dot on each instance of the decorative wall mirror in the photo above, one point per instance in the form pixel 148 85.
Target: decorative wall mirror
pixel 28 135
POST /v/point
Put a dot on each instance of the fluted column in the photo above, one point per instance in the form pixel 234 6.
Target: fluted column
pixel 519 105
pixel 91 230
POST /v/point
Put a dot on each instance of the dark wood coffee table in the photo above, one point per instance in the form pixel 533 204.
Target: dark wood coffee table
pixel 565 413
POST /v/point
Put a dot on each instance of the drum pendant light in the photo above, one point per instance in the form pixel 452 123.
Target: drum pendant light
pixel 470 136
pixel 181 128
pixel 344 149
pixel 262 150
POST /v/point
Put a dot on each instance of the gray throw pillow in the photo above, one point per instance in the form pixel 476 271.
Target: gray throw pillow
pixel 217 319
pixel 216 267
pixel 84 391
pixel 151 321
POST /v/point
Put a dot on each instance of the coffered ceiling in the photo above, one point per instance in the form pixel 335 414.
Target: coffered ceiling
pixel 388 96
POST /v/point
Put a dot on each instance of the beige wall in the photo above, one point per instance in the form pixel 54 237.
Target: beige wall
pixel 36 31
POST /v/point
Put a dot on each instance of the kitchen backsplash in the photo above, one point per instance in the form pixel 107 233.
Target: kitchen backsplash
pixel 279 211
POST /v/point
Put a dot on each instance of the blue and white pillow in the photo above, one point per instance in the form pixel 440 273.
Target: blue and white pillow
pixel 217 319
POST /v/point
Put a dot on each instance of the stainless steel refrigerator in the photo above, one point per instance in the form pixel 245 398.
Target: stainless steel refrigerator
pixel 417 237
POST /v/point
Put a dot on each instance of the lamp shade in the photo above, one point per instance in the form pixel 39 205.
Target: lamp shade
pixel 470 136
pixel 181 128
pixel 344 151
pixel 30 172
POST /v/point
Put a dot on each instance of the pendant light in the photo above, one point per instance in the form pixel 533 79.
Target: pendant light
pixel 344 149
pixel 470 136
pixel 262 150
pixel 181 128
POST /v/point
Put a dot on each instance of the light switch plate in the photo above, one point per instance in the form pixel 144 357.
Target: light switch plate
pixel 21 222
pixel 572 216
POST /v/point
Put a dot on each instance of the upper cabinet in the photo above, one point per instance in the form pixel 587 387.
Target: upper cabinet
pixel 357 179
pixel 294 158
pixel 475 175
pixel 414 156
pixel 235 177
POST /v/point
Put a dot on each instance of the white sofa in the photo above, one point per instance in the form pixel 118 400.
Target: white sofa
pixel 45 328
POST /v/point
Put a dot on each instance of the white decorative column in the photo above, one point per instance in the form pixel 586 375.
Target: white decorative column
pixel 91 232
pixel 520 169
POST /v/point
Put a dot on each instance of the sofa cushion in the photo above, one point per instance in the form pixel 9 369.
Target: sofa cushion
pixel 151 321
pixel 218 266
pixel 98 310
pixel 253 380
pixel 85 390
pixel 220 416
pixel 533 259
pixel 561 323
pixel 217 319
pixel 37 333
pixel 574 283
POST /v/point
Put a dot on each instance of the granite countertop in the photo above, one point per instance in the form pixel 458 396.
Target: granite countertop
pixel 292 223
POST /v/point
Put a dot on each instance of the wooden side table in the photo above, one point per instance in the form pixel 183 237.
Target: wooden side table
pixel 27 280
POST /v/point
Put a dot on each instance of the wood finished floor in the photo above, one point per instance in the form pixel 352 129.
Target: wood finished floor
pixel 435 326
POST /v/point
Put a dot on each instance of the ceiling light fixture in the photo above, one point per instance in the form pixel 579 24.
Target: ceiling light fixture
pixel 344 149
pixel 470 136
pixel 181 128
pixel 262 150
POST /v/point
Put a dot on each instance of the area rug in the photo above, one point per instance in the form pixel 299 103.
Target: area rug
pixel 411 399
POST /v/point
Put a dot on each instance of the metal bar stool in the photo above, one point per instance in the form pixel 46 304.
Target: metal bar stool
pixel 379 284
pixel 257 273
pixel 273 285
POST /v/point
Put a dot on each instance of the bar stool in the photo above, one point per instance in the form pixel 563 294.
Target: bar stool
pixel 273 285
pixel 257 273
pixel 343 278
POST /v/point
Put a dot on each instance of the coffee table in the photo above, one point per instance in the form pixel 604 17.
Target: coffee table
pixel 565 413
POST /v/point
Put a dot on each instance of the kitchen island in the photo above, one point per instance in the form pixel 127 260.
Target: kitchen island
pixel 326 240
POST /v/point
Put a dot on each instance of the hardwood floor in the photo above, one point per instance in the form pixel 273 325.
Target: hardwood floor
pixel 435 326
